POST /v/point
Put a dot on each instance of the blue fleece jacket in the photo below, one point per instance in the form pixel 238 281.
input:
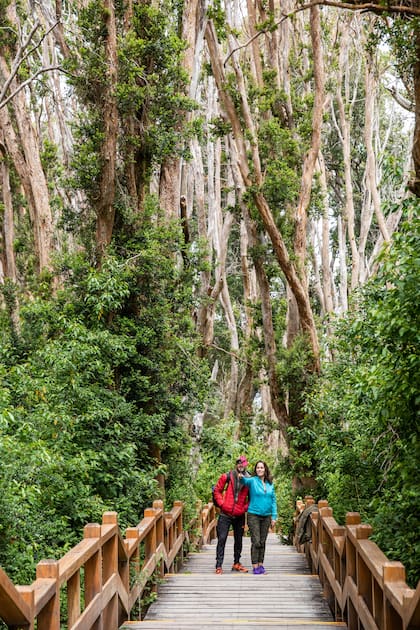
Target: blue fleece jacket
pixel 262 501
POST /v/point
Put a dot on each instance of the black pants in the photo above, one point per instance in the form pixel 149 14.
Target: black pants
pixel 223 525
pixel 258 527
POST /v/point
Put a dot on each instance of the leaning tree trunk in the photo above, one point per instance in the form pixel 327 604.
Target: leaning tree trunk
pixel 286 264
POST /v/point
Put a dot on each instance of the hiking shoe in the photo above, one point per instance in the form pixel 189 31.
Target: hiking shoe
pixel 239 567
pixel 256 571
pixel 219 570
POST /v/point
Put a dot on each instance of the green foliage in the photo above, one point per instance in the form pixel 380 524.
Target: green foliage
pixel 362 415
pixel 219 447
pixel 98 377
pixel 216 13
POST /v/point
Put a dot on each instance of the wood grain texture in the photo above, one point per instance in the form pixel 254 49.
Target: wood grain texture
pixel 287 596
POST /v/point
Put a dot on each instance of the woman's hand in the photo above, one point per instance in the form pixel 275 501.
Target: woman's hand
pixel 273 523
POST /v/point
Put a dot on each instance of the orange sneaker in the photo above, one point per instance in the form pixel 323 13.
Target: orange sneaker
pixel 219 571
pixel 239 567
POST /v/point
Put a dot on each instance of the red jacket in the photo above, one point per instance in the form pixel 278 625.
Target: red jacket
pixel 230 504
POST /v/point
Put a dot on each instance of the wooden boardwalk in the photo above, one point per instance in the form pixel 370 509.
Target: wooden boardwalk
pixel 287 597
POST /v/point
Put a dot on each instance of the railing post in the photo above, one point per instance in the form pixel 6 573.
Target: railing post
pixel 160 534
pixel 110 569
pixel 179 529
pixel 49 617
pixel 73 599
pixel 392 572
pixel 28 595
pixel 93 571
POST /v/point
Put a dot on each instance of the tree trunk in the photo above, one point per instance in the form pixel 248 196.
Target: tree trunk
pixel 105 208
pixel 301 217
pixel 371 164
pixel 25 152
pixel 415 184
pixel 327 282
pixel 8 230
pixel 288 268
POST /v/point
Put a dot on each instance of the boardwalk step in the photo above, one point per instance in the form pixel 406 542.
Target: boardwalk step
pixel 288 596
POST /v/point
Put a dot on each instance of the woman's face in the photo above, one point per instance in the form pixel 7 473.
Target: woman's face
pixel 260 469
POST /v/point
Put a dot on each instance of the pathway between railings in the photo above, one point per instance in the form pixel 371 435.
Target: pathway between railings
pixel 288 596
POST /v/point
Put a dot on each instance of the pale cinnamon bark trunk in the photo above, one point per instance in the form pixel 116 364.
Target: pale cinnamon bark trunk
pixel 25 151
pixel 301 216
pixel 415 183
pixel 342 256
pixel 345 104
pixel 8 230
pixel 170 171
pixel 105 208
pixel 288 268
pixel 371 167
pixel 327 281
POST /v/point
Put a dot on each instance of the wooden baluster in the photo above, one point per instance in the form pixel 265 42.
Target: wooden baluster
pixel 49 617
pixel 363 574
pixel 352 519
pixel 179 532
pixel 93 572
pixel 160 535
pixel 130 533
pixel 150 542
pixel 73 599
pixel 392 572
pixel 28 595
pixel 110 570
pixel 169 535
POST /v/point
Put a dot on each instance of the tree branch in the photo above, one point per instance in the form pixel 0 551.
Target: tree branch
pixel 19 59
pixel 365 6
pixel 25 83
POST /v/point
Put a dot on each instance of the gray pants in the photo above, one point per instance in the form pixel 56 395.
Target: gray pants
pixel 258 527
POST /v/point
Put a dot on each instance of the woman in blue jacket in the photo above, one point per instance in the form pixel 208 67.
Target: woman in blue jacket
pixel 262 512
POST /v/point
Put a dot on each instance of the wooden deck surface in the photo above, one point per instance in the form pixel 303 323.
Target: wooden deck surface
pixel 288 596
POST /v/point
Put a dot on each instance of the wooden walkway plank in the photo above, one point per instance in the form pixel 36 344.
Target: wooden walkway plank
pixel 288 596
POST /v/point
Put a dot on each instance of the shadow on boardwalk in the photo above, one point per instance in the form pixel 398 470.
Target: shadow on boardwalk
pixel 288 596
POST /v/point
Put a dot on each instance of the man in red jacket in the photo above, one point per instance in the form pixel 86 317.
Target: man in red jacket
pixel 233 504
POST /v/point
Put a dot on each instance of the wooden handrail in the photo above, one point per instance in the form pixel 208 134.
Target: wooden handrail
pixel 105 575
pixel 362 586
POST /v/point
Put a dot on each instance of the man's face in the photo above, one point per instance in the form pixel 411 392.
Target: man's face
pixel 240 467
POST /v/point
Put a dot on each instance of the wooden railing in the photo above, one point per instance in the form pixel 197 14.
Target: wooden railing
pixel 363 587
pixel 105 577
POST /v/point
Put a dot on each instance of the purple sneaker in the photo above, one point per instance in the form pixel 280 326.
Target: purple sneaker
pixel 256 571
pixel 261 569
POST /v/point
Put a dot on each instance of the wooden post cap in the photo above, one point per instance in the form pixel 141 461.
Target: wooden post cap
pixel 353 518
pixel 92 530
pixel 339 530
pixel 393 571
pixel 132 532
pixel 47 569
pixel 326 511
pixel 322 503
pixel 158 504
pixel 28 594
pixel 363 531
pixel 149 512
pixel 110 518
